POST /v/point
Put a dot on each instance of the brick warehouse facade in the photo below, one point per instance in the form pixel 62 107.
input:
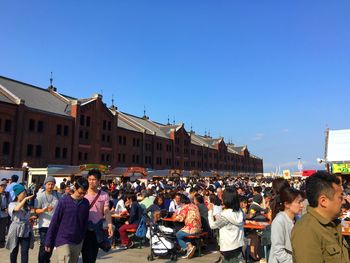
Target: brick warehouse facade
pixel 42 126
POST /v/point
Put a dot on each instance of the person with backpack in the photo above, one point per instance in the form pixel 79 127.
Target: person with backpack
pixel 4 202
pixel 135 213
pixel 98 211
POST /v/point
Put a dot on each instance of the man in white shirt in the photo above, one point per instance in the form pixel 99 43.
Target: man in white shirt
pixel 45 205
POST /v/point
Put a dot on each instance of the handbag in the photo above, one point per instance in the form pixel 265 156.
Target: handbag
pixel 101 235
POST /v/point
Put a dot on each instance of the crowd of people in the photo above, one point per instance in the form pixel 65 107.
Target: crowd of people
pixel 301 219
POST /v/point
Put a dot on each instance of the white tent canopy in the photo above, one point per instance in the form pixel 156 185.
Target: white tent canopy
pixel 338 146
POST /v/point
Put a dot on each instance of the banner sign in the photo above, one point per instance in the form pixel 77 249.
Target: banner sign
pixel 343 168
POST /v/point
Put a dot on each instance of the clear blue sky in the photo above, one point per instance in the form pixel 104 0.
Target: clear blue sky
pixel 269 74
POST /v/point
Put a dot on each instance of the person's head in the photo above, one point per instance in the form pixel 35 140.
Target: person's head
pixel 158 200
pixel 323 191
pixel 278 184
pixel 198 199
pixel 94 177
pixel 131 198
pixel 257 190
pixel 49 183
pixel 214 199
pixel 243 202
pixel 20 192
pixel 178 198
pixel 67 190
pixel 289 200
pixel 230 199
pixel 185 200
pixel 80 188
pixel 14 178
pixel 3 185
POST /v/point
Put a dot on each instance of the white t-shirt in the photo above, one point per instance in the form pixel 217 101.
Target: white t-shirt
pixel 120 207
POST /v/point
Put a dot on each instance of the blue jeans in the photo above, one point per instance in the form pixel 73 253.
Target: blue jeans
pixel 181 238
pixel 43 257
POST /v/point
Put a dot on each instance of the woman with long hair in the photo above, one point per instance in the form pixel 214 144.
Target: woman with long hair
pixel 289 203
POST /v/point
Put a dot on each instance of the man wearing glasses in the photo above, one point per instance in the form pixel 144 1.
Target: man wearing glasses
pixel 69 224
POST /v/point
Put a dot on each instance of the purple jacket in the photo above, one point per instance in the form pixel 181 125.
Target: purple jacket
pixel 69 222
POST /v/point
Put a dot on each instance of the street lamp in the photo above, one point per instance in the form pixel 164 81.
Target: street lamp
pixel 300 165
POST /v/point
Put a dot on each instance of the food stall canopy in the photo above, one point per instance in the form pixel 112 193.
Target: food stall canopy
pixel 338 146
pixel 118 171
pixel 307 173
pixel 63 170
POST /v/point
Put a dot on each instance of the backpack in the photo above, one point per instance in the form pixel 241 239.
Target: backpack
pixel 142 228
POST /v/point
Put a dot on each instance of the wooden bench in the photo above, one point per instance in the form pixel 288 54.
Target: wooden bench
pixel 197 238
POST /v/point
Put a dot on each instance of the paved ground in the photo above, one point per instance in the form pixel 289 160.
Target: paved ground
pixel 134 255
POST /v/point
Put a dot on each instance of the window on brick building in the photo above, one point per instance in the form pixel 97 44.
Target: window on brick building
pixel 38 151
pixel 104 125
pixel 66 130
pixel 133 158
pixel 102 157
pixel 58 129
pixel 30 150
pixel 124 140
pixel 108 138
pixel 133 142
pixel 109 126
pixel 88 121
pixel 85 156
pixel 31 125
pixel 107 157
pixel 138 142
pixel 103 137
pixel 80 156
pixel 40 126
pixel 119 157
pixel 8 125
pixel 64 153
pixel 137 158
pixel 82 120
pixel 124 158
pixel 81 134
pixel 58 153
pixel 120 139
pixel 86 135
pixel 5 148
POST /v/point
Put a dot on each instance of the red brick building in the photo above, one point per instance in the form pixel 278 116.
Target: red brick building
pixel 42 126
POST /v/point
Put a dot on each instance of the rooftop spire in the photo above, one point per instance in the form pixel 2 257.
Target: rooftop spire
pixel 168 121
pixel 174 120
pixel 51 80
pixel 144 113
